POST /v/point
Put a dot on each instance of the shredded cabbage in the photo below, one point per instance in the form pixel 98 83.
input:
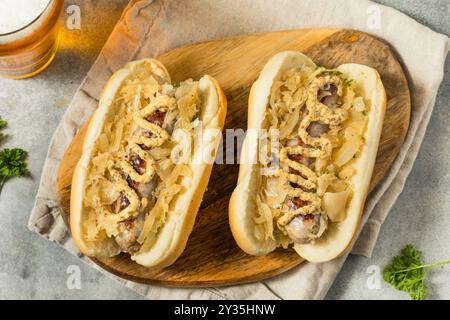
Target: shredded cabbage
pixel 335 204
pixel 348 151
pixel 112 149
pixel 331 171
pixel 264 220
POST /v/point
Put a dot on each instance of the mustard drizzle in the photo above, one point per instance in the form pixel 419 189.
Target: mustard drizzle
pixel 321 147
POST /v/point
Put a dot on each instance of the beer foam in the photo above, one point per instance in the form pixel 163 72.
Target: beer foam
pixel 16 14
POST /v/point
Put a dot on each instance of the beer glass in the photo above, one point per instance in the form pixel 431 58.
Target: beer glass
pixel 28 36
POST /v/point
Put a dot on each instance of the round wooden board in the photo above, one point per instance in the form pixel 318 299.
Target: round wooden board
pixel 212 257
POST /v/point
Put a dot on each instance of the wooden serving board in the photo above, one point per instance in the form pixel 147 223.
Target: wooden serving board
pixel 211 256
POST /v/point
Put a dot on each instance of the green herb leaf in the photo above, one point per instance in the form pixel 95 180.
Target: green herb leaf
pixel 3 123
pixel 12 164
pixel 335 72
pixel 406 272
pixel 348 82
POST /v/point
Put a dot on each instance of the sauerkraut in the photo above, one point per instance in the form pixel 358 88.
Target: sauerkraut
pixel 131 170
pixel 316 164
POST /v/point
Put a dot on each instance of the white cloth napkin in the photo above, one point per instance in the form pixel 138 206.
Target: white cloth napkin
pixel 149 28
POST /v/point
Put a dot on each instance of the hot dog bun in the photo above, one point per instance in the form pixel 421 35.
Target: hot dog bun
pixel 243 204
pixel 172 236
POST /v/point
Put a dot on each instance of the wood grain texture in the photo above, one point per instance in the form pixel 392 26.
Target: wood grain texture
pixel 211 256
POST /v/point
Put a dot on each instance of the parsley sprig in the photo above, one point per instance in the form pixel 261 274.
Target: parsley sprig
pixel 406 272
pixel 12 161
pixel 3 124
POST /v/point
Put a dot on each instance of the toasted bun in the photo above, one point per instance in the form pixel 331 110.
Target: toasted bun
pixel 242 207
pixel 173 235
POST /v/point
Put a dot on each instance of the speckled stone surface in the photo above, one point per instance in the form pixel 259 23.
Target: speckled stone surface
pixel 31 267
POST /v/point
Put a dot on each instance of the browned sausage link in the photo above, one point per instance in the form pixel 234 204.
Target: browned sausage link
pixel 143 190
pixel 312 144
pixel 138 163
pixel 133 184
pixel 299 157
pixel 304 228
pixel 329 96
pixel 157 117
pixel 121 203
pixel 295 203
pixel 129 231
pixel 317 128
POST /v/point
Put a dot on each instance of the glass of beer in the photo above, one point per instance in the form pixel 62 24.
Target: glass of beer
pixel 28 36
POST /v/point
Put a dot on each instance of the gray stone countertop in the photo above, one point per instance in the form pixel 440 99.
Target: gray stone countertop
pixel 33 268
